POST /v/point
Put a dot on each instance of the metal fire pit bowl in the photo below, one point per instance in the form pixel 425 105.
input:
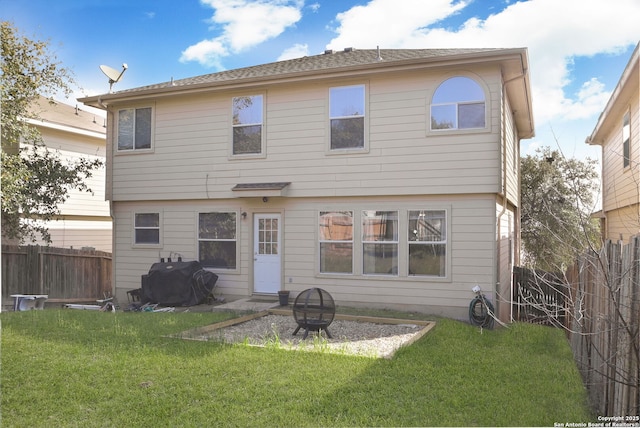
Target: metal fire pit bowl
pixel 314 310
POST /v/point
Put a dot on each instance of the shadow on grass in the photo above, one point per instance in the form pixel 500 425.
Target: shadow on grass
pixel 457 376
pixel 85 368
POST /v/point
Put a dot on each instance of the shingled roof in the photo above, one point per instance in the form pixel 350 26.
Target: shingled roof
pixel 326 62
pixel 44 112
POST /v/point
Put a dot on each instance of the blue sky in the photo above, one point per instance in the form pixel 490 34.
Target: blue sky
pixel 577 48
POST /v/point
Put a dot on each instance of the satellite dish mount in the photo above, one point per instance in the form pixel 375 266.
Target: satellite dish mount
pixel 113 74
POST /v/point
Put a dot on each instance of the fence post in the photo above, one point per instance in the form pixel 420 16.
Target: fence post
pixel 32 277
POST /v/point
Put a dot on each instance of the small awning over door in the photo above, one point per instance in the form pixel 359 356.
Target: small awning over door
pixel 253 190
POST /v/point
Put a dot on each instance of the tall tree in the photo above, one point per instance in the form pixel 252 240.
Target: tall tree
pixel 34 180
pixel 557 195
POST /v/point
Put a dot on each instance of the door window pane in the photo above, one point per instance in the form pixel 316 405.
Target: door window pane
pixel 268 236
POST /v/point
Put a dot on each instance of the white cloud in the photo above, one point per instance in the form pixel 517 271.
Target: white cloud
pixel 206 52
pixel 314 7
pixel 554 31
pixel 244 24
pixel 295 51
pixel 394 23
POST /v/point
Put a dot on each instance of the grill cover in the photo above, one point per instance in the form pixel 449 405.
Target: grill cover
pixel 177 284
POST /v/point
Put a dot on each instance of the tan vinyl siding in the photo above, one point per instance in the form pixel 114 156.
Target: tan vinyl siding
pixel 190 157
pixel 620 185
pixel 623 223
pixel 73 147
pixel 506 242
pixel 84 219
pixel 511 156
pixel 471 248
pixel 78 234
pixel 620 179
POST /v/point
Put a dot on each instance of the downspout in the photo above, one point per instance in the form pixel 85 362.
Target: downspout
pixel 113 246
pixel 504 195
pixel 101 104
pixel 109 194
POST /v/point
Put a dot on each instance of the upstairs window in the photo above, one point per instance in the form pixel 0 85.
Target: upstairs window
pixel 247 125
pixel 134 129
pixel 626 136
pixel 346 114
pixel 458 103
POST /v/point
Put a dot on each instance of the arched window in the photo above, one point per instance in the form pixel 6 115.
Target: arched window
pixel 458 103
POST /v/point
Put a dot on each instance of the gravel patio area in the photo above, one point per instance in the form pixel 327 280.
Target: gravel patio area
pixel 349 336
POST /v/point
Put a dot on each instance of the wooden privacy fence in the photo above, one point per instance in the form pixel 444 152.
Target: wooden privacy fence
pixel 539 297
pixel 65 275
pixel 604 327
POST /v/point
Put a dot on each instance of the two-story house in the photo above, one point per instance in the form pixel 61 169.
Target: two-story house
pixel 618 133
pixel 389 178
pixel 74 133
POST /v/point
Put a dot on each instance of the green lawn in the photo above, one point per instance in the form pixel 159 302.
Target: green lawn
pixel 86 368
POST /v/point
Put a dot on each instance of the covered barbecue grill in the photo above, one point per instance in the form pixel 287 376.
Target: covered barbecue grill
pixel 313 310
pixel 177 284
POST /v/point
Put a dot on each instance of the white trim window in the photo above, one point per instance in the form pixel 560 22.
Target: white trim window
pixel 626 141
pixel 335 233
pixel 217 240
pixel 380 242
pixel 347 117
pixel 134 129
pixel 146 228
pixel 427 243
pixel 458 103
pixel 247 125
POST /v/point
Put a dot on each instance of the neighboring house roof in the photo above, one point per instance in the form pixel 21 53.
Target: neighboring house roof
pixel 618 101
pixel 351 62
pixel 57 115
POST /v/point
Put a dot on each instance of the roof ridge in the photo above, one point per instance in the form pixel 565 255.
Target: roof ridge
pixel 325 61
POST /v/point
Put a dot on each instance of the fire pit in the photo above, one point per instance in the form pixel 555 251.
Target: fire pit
pixel 313 310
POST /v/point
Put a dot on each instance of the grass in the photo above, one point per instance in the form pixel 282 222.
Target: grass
pixel 94 369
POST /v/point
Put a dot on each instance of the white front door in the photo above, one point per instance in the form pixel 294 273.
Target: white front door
pixel 266 253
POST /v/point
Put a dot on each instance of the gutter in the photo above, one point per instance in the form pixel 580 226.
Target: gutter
pixel 66 128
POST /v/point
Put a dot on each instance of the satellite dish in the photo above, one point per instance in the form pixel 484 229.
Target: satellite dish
pixel 113 74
